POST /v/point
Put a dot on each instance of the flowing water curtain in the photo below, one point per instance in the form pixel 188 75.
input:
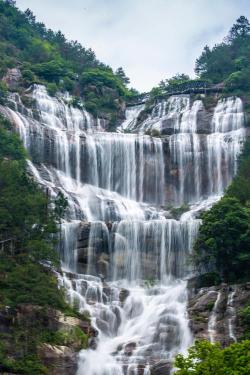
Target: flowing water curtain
pixel 109 179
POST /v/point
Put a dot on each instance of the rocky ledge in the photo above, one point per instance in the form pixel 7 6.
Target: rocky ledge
pixel 54 337
pixel 215 312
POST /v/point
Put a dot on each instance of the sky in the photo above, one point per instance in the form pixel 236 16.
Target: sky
pixel 151 39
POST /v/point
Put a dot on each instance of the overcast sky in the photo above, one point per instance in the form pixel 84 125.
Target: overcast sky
pixel 150 39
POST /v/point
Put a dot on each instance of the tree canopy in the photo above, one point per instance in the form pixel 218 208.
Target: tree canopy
pixel 228 61
pixel 47 57
pixel 205 358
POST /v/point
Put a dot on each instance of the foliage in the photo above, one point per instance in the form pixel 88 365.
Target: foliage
pixel 26 365
pixel 26 281
pixel 178 211
pixel 122 76
pixel 177 79
pixel 245 315
pixel 3 92
pixel 61 203
pixel 205 358
pixel 26 223
pixel 240 29
pixel 73 336
pixel 156 92
pixel 100 77
pixel 47 57
pixel 224 239
pixel 51 71
pixel 223 243
pixel 229 60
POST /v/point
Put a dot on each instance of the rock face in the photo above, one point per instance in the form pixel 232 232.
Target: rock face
pixel 32 319
pixel 12 78
pixel 161 368
pixel 97 249
pixel 61 360
pixel 214 312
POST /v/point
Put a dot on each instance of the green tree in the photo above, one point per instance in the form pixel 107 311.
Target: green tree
pixel 223 242
pixel 205 358
pixel 240 29
pixel 121 74
pixel 52 71
pixel 177 79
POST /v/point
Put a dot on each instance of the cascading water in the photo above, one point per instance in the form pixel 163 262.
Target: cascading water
pixel 119 187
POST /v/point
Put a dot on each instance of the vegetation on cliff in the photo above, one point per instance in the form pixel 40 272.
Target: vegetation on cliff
pixel 228 61
pixel 28 229
pixel 46 57
pixel 223 243
pixel 227 64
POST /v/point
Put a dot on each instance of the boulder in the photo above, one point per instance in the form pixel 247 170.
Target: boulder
pixel 161 368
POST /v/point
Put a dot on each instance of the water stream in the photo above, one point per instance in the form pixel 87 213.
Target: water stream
pixel 125 258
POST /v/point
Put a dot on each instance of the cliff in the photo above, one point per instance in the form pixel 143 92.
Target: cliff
pixel 216 313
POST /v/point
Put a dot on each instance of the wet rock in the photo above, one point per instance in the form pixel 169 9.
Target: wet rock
pixel 201 304
pixel 82 255
pixel 161 368
pixel 204 119
pixel 103 326
pixel 124 293
pixel 117 314
pixel 129 348
pixel 84 231
pixel 61 360
pixel 103 265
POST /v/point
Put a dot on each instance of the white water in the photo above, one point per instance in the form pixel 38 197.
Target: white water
pixel 232 315
pixel 212 322
pixel 119 185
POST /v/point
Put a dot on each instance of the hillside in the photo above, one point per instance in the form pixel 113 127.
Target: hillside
pixel 46 57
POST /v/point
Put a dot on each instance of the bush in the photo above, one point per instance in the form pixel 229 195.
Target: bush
pixel 52 88
pixel 28 77
pixel 51 71
pixel 100 78
pixel 238 80
pixel 178 211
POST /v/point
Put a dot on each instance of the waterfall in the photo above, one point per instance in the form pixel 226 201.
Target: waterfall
pixel 124 257
pixel 232 315
pixel 212 323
